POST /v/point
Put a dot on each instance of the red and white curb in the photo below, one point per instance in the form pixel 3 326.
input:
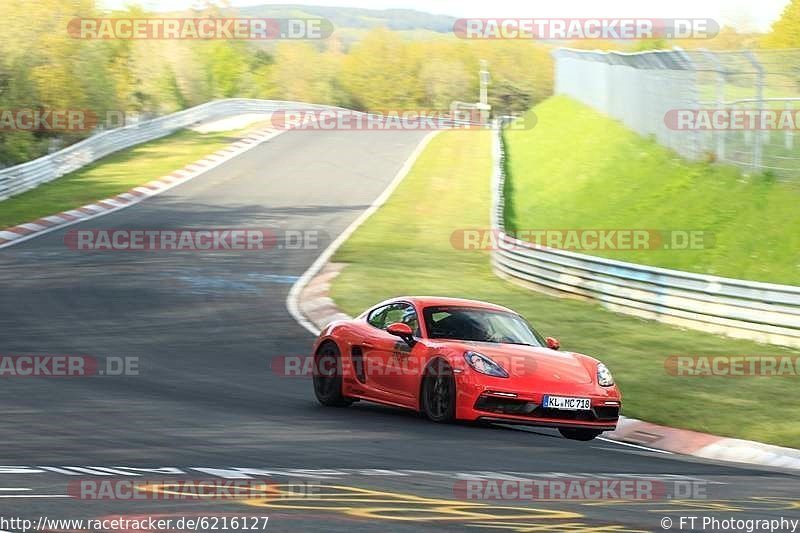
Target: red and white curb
pixel 29 230
pixel 310 304
pixel 314 302
pixel 705 445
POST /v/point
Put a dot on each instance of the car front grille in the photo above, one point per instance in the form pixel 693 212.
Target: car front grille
pixel 509 406
pixel 607 412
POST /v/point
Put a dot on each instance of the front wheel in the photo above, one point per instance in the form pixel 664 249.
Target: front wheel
pixel 439 393
pixel 328 376
pixel 579 433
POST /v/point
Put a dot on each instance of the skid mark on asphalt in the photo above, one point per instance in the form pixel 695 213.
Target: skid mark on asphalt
pixel 290 499
pixel 249 282
pixel 735 505
pixel 396 507
pixel 376 505
pixel 569 527
pixel 351 503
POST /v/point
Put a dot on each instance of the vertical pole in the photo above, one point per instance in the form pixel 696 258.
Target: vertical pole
pixel 757 145
pixel 719 102
pixel 693 98
pixel 483 103
pixel 484 99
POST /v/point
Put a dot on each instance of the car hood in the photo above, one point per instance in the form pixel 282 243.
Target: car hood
pixel 542 365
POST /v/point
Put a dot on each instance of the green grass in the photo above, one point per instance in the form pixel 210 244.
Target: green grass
pixel 113 175
pixel 405 248
pixel 578 169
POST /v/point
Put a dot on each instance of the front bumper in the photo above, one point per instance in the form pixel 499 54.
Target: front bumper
pixel 503 404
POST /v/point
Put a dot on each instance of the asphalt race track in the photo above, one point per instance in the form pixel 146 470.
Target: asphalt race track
pixel 205 327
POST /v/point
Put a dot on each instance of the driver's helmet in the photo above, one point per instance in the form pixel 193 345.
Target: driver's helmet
pixel 410 317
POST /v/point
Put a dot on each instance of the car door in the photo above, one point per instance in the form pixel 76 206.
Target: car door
pixel 390 364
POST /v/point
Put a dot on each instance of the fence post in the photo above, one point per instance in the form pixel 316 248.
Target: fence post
pixel 757 144
pixel 720 99
pixel 694 103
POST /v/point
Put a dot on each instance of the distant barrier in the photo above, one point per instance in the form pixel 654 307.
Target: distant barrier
pixel 647 91
pixel 20 178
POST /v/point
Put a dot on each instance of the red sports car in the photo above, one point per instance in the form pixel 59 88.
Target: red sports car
pixel 458 359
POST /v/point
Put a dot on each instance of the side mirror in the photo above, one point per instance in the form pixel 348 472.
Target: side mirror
pixel 552 343
pixel 403 331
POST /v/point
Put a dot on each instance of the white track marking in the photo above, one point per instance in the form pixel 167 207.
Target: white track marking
pixel 28 496
pixel 635 446
pixel 292 300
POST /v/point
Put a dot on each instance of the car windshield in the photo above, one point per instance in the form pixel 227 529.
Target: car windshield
pixel 476 324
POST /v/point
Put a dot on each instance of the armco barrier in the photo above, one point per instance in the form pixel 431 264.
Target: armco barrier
pixel 762 312
pixel 20 178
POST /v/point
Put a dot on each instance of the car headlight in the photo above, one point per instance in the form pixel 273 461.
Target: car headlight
pixel 604 377
pixel 484 365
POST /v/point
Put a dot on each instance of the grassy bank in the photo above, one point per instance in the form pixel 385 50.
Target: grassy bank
pixel 405 249
pixel 578 169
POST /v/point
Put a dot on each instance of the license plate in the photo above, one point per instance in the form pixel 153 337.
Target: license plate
pixel 567 404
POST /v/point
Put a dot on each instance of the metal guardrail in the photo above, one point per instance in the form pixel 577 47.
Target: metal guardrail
pixel 20 178
pixel 762 312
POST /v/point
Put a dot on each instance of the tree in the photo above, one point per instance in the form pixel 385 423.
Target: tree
pixel 447 74
pixel 381 73
pixel 786 30
pixel 302 73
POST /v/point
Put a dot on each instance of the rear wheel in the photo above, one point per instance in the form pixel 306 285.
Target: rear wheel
pixel 439 393
pixel 579 433
pixel 328 376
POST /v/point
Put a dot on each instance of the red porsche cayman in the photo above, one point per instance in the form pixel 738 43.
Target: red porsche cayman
pixel 455 359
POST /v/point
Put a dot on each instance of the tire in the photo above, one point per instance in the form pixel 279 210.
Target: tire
pixel 584 435
pixel 438 396
pixel 328 376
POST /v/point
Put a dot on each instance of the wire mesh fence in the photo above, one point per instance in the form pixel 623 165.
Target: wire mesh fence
pixel 737 107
